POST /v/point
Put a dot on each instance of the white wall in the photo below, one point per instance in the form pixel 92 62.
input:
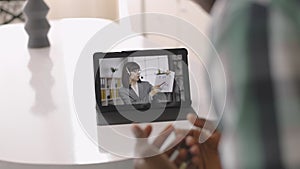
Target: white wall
pixel 183 9
pixel 150 65
pixel 106 64
pixel 83 8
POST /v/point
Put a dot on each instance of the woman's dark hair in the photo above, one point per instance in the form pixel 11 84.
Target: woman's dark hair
pixel 128 67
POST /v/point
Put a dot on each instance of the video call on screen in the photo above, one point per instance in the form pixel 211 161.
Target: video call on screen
pixel 165 71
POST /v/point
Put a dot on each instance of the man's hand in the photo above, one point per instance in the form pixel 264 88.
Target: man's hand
pixel 193 155
pixel 204 155
pixel 149 155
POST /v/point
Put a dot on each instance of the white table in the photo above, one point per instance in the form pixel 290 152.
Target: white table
pixel 36 123
pixel 37 119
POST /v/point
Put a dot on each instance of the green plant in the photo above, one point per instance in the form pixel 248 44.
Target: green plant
pixel 113 70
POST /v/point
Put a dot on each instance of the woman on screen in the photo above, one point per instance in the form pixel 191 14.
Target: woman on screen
pixel 135 91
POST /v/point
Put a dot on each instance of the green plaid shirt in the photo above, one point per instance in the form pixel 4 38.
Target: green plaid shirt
pixel 259 44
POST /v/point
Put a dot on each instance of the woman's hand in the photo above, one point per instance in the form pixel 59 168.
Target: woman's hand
pixel 155 90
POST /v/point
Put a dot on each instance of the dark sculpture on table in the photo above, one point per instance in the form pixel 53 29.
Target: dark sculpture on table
pixel 37 25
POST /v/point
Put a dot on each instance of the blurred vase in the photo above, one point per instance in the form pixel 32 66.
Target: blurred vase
pixel 37 25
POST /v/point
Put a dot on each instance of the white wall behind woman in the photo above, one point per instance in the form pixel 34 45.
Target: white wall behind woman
pixel 83 8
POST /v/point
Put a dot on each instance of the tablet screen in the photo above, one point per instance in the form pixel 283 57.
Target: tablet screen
pixel 141 79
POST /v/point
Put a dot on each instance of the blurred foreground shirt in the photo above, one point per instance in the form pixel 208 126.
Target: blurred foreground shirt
pixel 259 44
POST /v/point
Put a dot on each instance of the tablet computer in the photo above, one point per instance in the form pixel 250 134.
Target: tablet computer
pixel 142 86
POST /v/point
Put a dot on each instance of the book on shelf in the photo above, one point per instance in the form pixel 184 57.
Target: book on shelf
pixel 114 93
pixel 103 94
